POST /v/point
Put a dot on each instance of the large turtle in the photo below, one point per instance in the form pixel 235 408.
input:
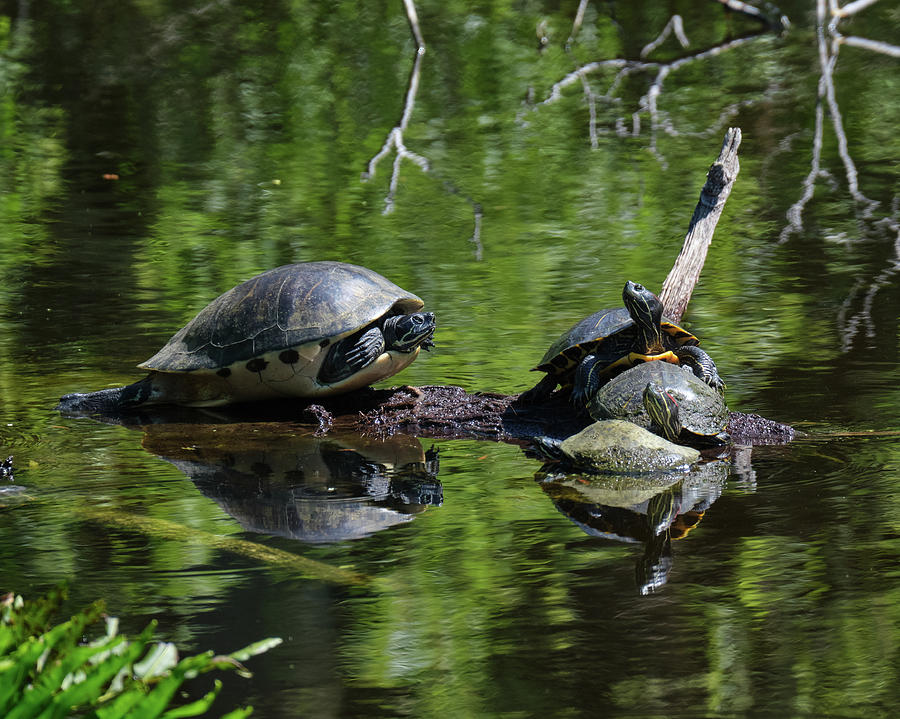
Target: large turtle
pixel 302 330
pixel 614 339
pixel 667 399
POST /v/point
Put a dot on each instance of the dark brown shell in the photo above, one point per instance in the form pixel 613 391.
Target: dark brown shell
pixel 612 332
pixel 282 308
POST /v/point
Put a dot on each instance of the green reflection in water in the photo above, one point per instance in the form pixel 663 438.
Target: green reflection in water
pixel 238 135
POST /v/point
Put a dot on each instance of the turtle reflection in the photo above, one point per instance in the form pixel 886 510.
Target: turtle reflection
pixel 287 482
pixel 651 509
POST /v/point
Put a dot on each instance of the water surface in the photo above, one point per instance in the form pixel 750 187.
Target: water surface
pixel 151 158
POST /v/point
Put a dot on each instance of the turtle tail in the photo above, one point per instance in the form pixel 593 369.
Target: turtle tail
pixel 106 401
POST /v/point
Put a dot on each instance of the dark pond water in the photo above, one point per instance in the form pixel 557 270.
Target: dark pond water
pixel 153 155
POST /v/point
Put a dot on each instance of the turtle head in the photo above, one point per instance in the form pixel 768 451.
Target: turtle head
pixel 663 410
pixel 404 333
pixel 645 309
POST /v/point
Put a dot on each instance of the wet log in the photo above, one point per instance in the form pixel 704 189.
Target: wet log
pixel 432 411
pixel 442 411
pixel 679 284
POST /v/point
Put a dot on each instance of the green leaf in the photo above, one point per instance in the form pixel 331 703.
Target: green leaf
pixel 263 645
pixel 195 708
pixel 122 704
pixel 161 657
pixel 239 713
pixel 92 688
pixel 50 682
pixel 53 675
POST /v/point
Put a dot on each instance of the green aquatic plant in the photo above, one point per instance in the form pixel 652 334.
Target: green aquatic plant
pixel 48 671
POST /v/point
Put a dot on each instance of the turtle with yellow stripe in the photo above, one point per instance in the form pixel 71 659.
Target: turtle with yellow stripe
pixel 612 340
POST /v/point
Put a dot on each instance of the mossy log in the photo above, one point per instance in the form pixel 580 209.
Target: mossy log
pixel 433 411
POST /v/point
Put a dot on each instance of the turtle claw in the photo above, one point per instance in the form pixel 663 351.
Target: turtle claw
pixel 540 393
pixel 702 365
pixel 365 350
pixel 351 354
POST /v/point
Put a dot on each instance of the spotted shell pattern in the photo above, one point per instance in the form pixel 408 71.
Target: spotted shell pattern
pixel 268 336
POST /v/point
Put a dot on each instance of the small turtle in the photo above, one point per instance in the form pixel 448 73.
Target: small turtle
pixel 612 340
pixel 619 447
pixel 667 399
pixel 303 330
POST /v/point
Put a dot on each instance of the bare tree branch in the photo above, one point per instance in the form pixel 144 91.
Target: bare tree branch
pixel 660 121
pixel 395 140
pixel 679 284
pixel 795 213
pixel 774 19
pixel 874 45
pixel 675 25
pixel 855 317
pixel 852 8
pixel 413 18
pixel 828 56
pixel 576 26
pixel 850 323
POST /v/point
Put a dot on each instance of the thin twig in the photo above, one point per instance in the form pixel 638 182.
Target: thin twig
pixel 576 26
pixel 592 111
pixel 795 213
pixel 828 55
pixel 413 18
pixel 849 326
pixel 852 8
pixel 675 25
pixel 838 124
pixel 775 19
pixel 874 45
pixel 395 140
pixel 648 103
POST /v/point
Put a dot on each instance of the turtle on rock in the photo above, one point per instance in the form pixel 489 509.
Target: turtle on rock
pixel 617 446
pixel 668 400
pixel 611 340
pixel 304 330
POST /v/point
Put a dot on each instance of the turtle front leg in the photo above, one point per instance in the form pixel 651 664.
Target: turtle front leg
pixel 351 354
pixel 701 365
pixel 588 378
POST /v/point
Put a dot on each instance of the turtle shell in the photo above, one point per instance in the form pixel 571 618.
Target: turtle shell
pixel 288 307
pixel 624 448
pixel 702 410
pixel 609 334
